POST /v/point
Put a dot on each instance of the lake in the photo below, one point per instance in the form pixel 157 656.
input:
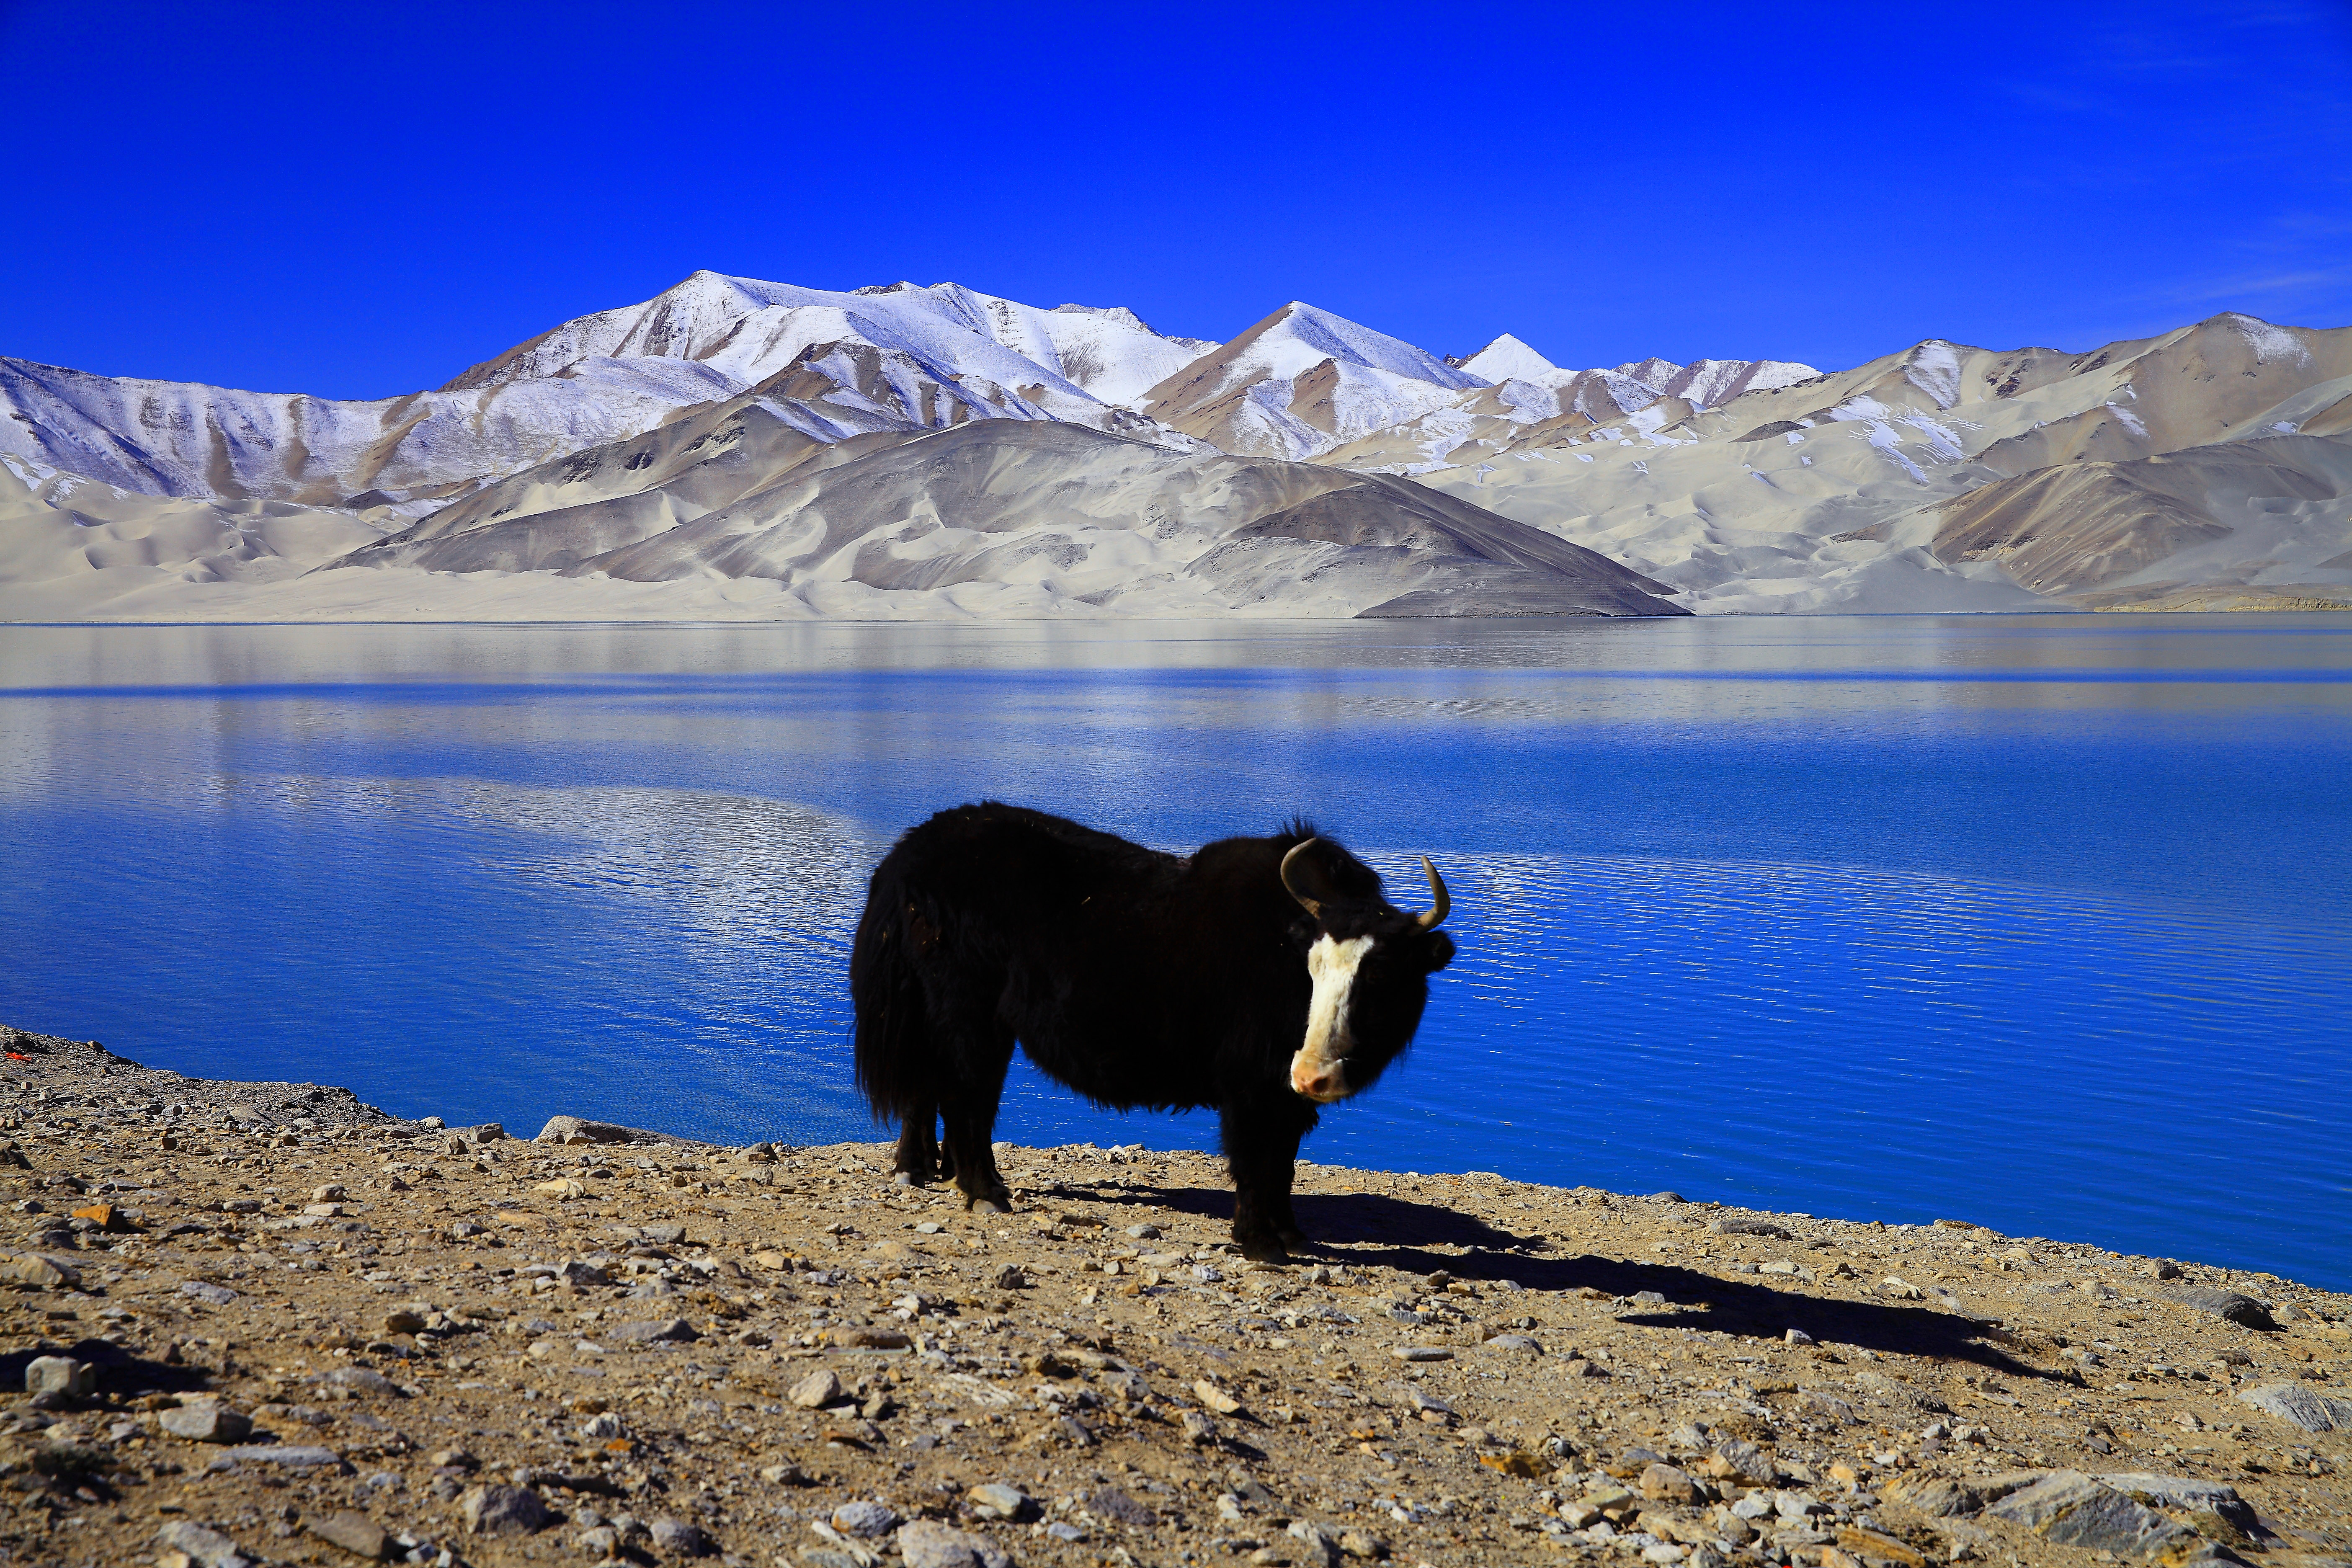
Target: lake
pixel 2043 922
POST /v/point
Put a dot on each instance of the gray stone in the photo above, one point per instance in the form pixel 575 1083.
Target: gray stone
pixel 206 1422
pixel 2302 1405
pixel 817 1390
pixel 2243 1310
pixel 354 1532
pixel 578 1130
pixel 1321 1545
pixel 60 1375
pixel 1671 1483
pixel 1109 1502
pixel 677 1538
pixel 208 1547
pixel 2189 1495
pixel 495 1510
pixel 676 1330
pixel 1422 1352
pixel 209 1293
pixel 293 1456
pixel 1521 1344
pixel 1829 1404
pixel 1894 1391
pixel 1746 1463
pixel 2071 1509
pixel 1938 1496
pixel 864 1517
pixel 40 1270
pixel 927 1543
pixel 995 1499
pixel 365 1380
pixel 1737 1225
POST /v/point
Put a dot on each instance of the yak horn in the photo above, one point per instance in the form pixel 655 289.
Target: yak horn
pixel 1432 916
pixel 1312 906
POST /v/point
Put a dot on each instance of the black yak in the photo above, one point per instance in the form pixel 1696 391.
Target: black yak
pixel 1262 977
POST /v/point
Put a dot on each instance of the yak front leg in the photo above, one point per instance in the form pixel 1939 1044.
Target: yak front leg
pixel 1262 1153
pixel 917 1160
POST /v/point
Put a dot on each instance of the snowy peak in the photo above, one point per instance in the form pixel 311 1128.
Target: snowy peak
pixel 1508 359
pixel 1070 366
pixel 1651 372
pixel 1712 383
pixel 1299 336
pixel 1302 382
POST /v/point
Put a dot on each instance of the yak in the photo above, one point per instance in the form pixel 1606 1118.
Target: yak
pixel 1263 978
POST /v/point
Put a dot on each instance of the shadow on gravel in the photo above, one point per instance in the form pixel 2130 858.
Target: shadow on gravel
pixel 1375 1230
pixel 119 1374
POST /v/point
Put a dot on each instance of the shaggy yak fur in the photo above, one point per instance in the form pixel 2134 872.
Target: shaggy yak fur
pixel 1138 979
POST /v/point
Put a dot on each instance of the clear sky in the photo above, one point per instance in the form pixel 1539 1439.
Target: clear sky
pixel 357 199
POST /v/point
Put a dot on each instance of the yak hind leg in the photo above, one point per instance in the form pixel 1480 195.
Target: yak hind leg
pixel 968 1111
pixel 917 1160
pixel 1262 1153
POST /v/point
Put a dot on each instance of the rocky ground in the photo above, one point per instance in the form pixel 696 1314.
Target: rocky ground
pixel 266 1323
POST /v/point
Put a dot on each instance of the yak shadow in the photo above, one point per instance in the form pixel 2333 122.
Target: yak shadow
pixel 1376 1230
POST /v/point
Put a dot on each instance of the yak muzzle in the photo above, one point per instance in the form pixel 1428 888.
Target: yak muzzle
pixel 1321 1083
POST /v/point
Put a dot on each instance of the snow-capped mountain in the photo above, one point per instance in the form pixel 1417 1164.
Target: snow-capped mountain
pixel 887 358
pixel 739 448
pixel 745 330
pixel 1300 382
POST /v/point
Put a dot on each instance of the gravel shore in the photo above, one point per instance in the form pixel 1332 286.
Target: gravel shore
pixel 267 1323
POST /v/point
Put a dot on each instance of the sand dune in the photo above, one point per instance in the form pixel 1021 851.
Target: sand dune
pixel 1093 522
pixel 1835 493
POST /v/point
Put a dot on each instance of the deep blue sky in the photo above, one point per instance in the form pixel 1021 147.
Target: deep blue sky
pixel 359 199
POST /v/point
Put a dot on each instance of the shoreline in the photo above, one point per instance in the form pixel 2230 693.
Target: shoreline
pixel 315 1332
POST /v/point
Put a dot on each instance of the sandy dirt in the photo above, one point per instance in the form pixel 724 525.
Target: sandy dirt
pixel 267 1323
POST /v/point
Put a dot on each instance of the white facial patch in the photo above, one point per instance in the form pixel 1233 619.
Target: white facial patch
pixel 1318 1069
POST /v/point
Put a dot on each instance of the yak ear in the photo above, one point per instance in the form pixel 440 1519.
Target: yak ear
pixel 1441 950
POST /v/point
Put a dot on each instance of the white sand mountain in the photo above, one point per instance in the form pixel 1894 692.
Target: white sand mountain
pixel 1840 493
pixel 737 448
pixel 1003 516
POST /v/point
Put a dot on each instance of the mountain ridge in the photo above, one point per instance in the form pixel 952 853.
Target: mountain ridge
pixel 2202 464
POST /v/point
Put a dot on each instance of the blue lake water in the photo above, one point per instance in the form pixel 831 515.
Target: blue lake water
pixel 2044 923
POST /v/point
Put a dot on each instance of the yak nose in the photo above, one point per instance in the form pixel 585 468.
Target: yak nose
pixel 1326 1084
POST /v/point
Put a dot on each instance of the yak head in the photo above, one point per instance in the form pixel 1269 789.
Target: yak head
pixel 1371 963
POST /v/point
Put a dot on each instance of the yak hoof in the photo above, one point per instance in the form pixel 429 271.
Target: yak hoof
pixel 985 1205
pixel 1262 1250
pixel 907 1179
pixel 1295 1240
